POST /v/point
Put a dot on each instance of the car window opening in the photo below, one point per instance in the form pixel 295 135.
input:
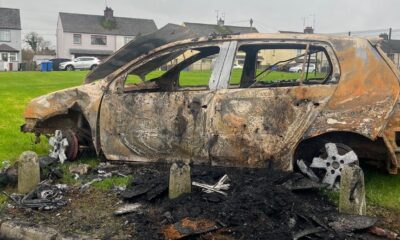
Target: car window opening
pixel 276 65
pixel 179 70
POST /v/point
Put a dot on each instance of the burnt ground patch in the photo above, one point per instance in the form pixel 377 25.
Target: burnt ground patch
pixel 257 207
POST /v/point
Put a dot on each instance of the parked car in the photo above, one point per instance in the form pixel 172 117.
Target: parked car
pixel 349 115
pixel 237 66
pixel 80 63
pixel 299 68
pixel 57 61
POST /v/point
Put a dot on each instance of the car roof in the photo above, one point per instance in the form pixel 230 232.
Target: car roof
pixel 164 38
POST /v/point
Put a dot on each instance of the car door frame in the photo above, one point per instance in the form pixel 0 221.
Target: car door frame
pixel 110 140
pixel 310 97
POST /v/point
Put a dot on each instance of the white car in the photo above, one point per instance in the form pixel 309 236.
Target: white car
pixel 299 68
pixel 80 63
pixel 237 66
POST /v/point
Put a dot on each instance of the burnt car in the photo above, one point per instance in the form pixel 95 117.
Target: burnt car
pixel 344 114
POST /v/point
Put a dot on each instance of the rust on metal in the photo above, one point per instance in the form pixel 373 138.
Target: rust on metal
pixel 188 227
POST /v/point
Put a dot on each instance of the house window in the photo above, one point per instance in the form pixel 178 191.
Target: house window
pixel 128 39
pixel 77 38
pixel 4 57
pixel 13 57
pixel 5 36
pixel 99 40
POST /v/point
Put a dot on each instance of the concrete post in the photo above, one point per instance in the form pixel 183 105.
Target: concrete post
pixel 179 180
pixel 352 191
pixel 28 172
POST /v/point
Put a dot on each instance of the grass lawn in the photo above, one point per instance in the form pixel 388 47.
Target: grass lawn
pixel 18 88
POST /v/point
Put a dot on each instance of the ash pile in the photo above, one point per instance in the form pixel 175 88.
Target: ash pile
pixel 257 204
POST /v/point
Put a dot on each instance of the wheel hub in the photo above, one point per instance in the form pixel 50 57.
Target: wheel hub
pixel 333 163
pixel 59 146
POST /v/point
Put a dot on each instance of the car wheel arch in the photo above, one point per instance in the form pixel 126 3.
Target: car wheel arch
pixel 74 119
pixel 374 151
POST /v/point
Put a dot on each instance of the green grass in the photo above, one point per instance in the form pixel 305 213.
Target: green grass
pixel 201 78
pixel 18 88
pixel 383 189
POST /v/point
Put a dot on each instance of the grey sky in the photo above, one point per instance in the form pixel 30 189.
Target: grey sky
pixel 269 16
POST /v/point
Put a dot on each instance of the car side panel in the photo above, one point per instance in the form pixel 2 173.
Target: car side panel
pixel 260 127
pixel 155 126
pixel 366 95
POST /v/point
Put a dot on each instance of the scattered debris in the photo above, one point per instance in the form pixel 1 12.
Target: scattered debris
pixel 383 232
pixel 307 232
pixel 88 184
pixel 44 197
pixel 220 185
pixel 349 223
pixel 147 185
pixel 128 208
pixel 189 227
pixel 307 171
pixel 5 165
pixel 9 177
pixel 59 146
pixel 80 169
pixel 298 182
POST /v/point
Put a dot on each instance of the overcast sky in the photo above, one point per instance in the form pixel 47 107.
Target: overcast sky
pixel 331 16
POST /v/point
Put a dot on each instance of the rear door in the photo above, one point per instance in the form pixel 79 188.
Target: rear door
pixel 79 62
pixel 259 117
pixel 165 118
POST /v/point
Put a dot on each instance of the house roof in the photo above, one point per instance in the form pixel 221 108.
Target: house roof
pixel 391 46
pixel 6 48
pixel 83 23
pixel 206 29
pixel 10 18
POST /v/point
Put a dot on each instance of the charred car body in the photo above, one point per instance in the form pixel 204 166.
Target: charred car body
pixel 352 107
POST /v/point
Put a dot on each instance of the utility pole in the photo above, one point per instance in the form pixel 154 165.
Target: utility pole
pixel 390 44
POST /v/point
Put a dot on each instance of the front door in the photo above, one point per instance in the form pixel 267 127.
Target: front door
pixel 163 119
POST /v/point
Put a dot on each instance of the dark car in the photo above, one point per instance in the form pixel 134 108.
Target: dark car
pixel 56 62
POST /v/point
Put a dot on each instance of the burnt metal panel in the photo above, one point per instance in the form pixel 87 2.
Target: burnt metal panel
pixel 223 66
pixel 259 127
pixel 140 46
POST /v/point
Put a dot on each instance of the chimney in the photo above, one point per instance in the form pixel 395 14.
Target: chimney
pixel 109 14
pixel 221 22
pixel 384 36
pixel 308 30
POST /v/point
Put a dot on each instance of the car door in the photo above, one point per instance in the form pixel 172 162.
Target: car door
pixel 147 124
pixel 88 62
pixel 78 63
pixel 260 126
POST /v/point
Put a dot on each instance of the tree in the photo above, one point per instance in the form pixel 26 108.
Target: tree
pixel 37 42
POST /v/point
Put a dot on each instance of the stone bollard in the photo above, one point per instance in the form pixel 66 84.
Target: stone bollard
pixel 352 191
pixel 179 180
pixel 28 172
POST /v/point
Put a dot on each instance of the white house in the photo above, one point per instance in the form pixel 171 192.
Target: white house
pixel 10 39
pixel 95 35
